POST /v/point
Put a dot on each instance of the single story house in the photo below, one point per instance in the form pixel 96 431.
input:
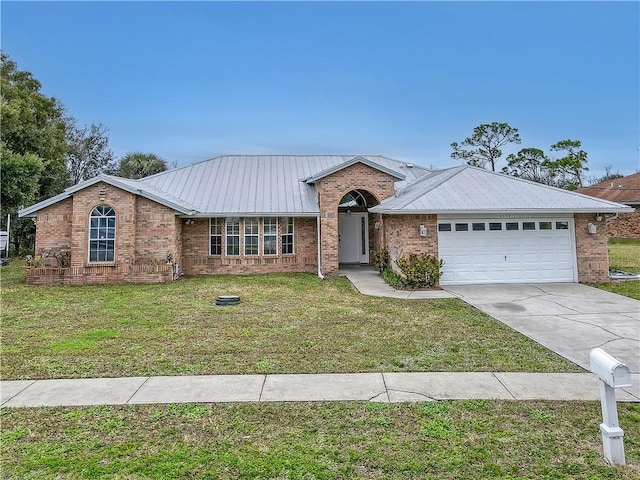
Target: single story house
pixel 624 190
pixel 294 213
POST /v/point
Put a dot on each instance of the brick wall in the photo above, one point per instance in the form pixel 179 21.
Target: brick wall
pixel 627 225
pixel 197 261
pixel 156 232
pixel 145 232
pixel 123 204
pixel 402 235
pixel 591 250
pixel 331 189
pixel 53 232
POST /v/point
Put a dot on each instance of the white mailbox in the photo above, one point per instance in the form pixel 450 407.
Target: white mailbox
pixel 612 374
pixel 611 371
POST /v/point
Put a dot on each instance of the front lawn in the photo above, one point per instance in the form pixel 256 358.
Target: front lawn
pixel 435 440
pixel 624 254
pixel 292 323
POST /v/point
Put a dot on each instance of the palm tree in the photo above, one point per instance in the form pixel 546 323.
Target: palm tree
pixel 138 165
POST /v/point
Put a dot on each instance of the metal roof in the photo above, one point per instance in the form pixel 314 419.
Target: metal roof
pixel 469 189
pixel 137 187
pixel 264 184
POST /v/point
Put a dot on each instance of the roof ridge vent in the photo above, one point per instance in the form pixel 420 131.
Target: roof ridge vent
pixel 409 165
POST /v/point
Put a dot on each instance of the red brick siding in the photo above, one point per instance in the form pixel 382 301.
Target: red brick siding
pixel 591 250
pixel 402 235
pixel 197 261
pixel 156 232
pixel 331 189
pixel 124 205
pixel 627 225
pixel 93 275
pixel 53 231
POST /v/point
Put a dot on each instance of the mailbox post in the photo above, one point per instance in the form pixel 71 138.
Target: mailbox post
pixel 612 374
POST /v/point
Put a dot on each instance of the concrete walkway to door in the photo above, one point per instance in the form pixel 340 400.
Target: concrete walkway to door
pixel 568 318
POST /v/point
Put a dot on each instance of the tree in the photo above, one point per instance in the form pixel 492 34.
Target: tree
pixel 32 141
pixel 138 165
pixel 89 153
pixel 488 138
pixel 530 164
pixel 570 168
pixel 608 175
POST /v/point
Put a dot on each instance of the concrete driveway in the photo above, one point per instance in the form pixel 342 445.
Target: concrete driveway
pixel 568 318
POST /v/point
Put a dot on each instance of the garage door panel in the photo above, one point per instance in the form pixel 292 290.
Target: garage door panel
pixel 501 256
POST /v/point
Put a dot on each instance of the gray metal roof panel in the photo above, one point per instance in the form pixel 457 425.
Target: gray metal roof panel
pixel 471 189
pixel 132 186
pixel 245 184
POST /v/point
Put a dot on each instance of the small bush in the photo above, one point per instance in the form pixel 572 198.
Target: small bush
pixel 392 278
pixel 381 259
pixel 420 270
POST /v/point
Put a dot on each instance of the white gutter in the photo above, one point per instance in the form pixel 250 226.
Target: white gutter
pixel 320 275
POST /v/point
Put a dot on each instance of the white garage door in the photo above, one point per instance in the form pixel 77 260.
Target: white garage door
pixel 507 251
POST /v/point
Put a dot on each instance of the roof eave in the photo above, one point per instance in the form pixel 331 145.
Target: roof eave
pixel 527 211
pixel 33 209
pixel 251 214
pixel 325 173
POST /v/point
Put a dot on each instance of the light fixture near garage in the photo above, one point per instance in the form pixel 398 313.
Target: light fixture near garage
pixel 423 231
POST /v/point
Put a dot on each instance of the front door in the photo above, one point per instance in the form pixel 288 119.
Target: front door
pixel 353 237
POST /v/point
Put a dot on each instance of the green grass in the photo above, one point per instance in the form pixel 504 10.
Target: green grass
pixel 439 440
pixel 624 254
pixel 286 323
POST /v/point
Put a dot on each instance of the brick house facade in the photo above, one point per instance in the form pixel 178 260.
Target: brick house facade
pixel 156 238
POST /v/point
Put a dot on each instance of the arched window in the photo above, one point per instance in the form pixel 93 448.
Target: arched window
pixel 353 199
pixel 102 234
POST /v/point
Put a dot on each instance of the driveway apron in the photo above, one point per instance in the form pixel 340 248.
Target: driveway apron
pixel 568 318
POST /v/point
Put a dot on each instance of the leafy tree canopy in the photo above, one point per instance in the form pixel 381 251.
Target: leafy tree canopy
pixel 89 153
pixel 138 165
pixel 486 143
pixel 32 145
pixel 571 168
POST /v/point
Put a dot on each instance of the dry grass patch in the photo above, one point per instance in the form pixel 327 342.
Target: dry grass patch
pixel 291 323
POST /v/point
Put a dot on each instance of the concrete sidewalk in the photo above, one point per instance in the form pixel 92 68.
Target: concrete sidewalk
pixel 376 387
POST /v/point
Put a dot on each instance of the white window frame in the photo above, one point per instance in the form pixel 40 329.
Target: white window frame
pixel 108 229
pixel 285 233
pixel 272 234
pixel 231 222
pixel 251 222
pixel 220 223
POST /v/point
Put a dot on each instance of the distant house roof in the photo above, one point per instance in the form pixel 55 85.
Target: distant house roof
pixel 469 190
pixel 622 190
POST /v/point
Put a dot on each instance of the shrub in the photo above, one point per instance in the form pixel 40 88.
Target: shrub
pixel 392 278
pixel 420 270
pixel 381 259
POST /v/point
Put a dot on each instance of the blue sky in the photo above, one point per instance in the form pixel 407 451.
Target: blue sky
pixel 192 80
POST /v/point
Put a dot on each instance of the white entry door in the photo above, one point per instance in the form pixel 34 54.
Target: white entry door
pixel 353 238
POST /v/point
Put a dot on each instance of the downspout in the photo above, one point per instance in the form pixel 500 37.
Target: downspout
pixel 320 275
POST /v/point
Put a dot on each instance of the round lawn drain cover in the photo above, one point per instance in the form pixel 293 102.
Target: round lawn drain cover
pixel 227 300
